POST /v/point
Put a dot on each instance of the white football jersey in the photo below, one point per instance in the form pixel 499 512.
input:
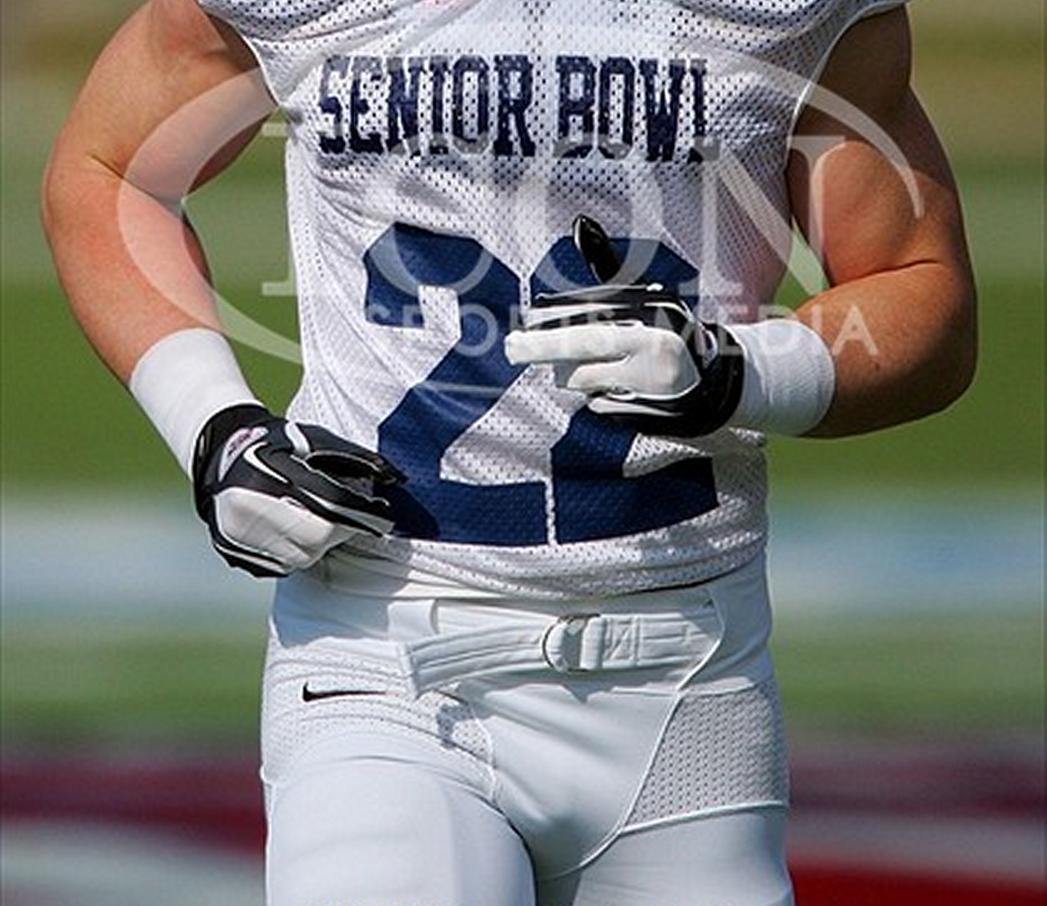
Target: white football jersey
pixel 439 152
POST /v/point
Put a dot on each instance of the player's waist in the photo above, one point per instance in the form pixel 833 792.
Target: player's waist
pixel 438 632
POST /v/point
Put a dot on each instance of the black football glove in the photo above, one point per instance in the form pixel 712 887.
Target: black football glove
pixel 637 351
pixel 277 495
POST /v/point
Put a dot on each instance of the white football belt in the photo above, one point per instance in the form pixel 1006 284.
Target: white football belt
pixel 577 643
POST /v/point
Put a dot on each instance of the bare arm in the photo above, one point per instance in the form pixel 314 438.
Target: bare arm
pixel 172 100
pixel 900 314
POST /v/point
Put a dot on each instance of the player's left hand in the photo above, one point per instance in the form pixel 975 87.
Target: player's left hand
pixel 635 350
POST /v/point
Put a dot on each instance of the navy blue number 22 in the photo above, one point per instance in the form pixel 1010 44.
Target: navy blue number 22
pixel 592 498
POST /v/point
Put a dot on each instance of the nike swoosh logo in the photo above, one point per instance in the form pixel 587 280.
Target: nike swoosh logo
pixel 250 455
pixel 308 695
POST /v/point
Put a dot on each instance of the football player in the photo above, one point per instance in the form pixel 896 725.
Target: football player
pixel 517 507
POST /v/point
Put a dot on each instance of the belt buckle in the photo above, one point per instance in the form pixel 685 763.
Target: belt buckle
pixel 571 621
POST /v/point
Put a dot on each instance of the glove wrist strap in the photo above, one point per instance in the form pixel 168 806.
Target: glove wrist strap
pixel 716 397
pixel 212 438
pixel 182 381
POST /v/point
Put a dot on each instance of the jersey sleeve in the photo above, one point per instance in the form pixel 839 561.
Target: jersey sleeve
pixel 847 14
pixel 822 31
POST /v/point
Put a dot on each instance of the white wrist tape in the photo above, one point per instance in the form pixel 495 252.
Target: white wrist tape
pixel 184 379
pixel 789 377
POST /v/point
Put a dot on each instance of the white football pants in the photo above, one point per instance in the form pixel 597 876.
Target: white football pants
pixel 425 748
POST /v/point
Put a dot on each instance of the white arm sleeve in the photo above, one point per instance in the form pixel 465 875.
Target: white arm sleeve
pixel 790 377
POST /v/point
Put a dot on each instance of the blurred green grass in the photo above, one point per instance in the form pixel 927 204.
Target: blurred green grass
pixel 946 678
pixel 142 686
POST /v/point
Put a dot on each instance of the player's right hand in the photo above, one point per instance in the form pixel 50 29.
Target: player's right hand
pixel 277 495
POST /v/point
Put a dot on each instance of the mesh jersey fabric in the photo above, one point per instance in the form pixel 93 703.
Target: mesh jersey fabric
pixel 438 153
